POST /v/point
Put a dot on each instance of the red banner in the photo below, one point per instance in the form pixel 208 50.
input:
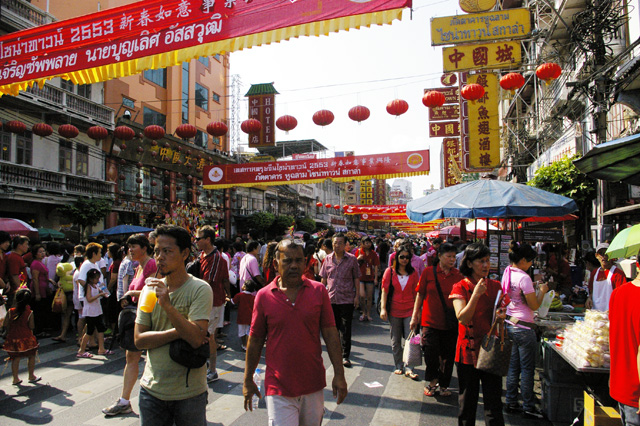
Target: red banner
pixel 380 209
pixel 153 27
pixel 343 169
pixel 385 218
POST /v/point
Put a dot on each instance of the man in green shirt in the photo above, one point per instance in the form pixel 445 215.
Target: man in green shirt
pixel 167 393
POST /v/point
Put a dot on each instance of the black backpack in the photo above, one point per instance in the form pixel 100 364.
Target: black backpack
pixel 126 324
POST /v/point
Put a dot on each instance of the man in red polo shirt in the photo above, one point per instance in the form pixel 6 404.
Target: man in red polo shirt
pixel 292 312
pixel 213 269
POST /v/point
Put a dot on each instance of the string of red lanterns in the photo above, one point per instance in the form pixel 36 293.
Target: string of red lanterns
pixel 472 92
pixel 433 99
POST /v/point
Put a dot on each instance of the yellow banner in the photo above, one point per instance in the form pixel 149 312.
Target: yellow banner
pixel 484 123
pixel 506 54
pixel 497 25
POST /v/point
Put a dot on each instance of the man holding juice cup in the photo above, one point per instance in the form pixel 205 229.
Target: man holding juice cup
pixel 180 311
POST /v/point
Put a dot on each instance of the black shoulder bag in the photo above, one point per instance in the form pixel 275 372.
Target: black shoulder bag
pixel 450 318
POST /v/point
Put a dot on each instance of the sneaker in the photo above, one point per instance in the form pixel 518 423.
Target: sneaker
pixel 513 408
pixel 116 409
pixel 533 414
pixel 211 376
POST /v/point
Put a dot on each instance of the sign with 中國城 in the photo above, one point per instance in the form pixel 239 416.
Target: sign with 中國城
pixel 477 27
pixel 152 34
pixel 443 129
pixel 482 56
pixel 484 123
pixel 339 169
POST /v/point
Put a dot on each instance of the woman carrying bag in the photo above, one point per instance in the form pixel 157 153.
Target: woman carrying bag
pixel 439 322
pixel 401 280
pixel 517 285
pixel 474 299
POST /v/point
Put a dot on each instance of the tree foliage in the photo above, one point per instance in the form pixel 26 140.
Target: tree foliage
pixel 86 211
pixel 281 224
pixel 261 221
pixel 563 177
pixel 305 224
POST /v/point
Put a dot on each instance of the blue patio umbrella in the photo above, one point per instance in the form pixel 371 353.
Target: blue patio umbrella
pixel 486 198
pixel 122 230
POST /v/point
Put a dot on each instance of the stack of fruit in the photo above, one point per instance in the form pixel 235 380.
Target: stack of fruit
pixel 586 342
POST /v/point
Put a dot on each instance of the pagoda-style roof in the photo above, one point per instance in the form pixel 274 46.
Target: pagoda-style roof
pixel 262 89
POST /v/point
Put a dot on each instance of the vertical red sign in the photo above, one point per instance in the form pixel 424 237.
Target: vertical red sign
pixel 263 109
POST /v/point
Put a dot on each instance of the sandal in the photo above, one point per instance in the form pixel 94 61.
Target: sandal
pixel 398 372
pixel 430 390
pixel 17 383
pixel 412 375
pixel 35 379
pixel 222 347
pixel 59 339
pixel 106 353
pixel 84 355
pixel 361 318
pixel 445 392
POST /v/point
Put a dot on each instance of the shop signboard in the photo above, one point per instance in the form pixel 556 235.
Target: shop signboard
pixel 509 24
pixel 305 156
pixel 482 56
pixel 484 123
pixel 444 112
pixel 451 94
pixel 345 169
pixel 542 235
pixel 443 129
pixel 451 161
pixel 263 109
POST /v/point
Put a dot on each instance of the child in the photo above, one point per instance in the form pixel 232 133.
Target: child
pixel 244 302
pixel 20 340
pixel 92 313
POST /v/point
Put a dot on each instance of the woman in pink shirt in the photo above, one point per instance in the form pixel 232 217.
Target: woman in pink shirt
pixel 523 301
pixel 401 280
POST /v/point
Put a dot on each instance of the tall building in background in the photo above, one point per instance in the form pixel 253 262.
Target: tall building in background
pixel 400 191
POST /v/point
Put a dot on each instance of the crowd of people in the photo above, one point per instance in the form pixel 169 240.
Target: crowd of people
pixel 291 293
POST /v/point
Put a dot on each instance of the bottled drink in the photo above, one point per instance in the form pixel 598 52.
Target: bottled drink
pixel 257 379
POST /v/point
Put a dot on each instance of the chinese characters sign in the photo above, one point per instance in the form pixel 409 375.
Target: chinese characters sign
pixel 443 129
pixel 482 56
pixel 484 124
pixel 451 174
pixel 503 24
pixel 112 43
pixel 444 112
pixel 345 169
pixel 262 108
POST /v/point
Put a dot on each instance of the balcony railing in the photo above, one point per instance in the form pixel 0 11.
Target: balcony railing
pixel 69 102
pixel 26 12
pixel 20 176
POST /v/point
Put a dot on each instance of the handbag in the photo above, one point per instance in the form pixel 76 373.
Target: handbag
pixel 412 353
pixel 184 354
pixel 59 304
pixel 450 318
pixel 495 350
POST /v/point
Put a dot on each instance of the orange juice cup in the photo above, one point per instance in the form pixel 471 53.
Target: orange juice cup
pixel 148 299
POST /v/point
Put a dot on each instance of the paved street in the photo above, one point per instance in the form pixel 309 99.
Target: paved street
pixel 73 390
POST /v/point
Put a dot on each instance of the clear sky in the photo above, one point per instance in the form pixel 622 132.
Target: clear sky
pixel 369 67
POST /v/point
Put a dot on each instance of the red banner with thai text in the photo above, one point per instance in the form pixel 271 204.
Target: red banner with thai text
pixel 339 169
pixel 152 27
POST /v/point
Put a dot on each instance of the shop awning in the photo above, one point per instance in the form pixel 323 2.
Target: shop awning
pixel 616 161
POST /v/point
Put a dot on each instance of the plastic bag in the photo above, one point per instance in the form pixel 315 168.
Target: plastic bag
pixel 543 310
pixel 59 303
pixel 412 354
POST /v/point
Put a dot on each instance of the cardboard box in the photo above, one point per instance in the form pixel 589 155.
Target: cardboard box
pixel 597 415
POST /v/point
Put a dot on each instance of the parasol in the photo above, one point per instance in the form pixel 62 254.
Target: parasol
pixel 122 230
pixel 625 244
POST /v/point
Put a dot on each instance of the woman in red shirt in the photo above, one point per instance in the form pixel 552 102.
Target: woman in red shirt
pixel 403 279
pixel 474 299
pixel 439 334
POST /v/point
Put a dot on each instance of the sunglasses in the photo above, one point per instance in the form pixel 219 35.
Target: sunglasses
pixel 200 238
pixel 404 257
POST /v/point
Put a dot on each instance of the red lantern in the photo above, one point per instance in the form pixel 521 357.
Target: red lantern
pixel 97 133
pixel 154 132
pixel 166 187
pixel 324 117
pixel 512 81
pixel 154 183
pixel 123 132
pixel 140 149
pixel 286 123
pixel 139 165
pixel 217 129
pixel 337 207
pixel 42 129
pixel 138 196
pixel 68 131
pixel 397 107
pixel 548 72
pixel 167 173
pixel 179 175
pixel 179 188
pixel 359 113
pixel 251 126
pixel 433 99
pixel 186 131
pixel 153 197
pixel 472 92
pixel 328 205
pixel 123 161
pixel 154 154
pixel 15 126
pixel 154 170
pixel 154 143
pixel 319 204
pixel 122 177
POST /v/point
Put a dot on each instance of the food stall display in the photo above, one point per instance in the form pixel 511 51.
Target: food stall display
pixel 586 343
